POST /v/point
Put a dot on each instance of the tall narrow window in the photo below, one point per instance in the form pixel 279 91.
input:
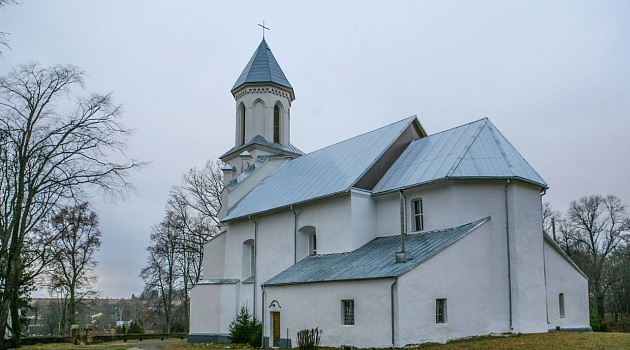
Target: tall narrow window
pixel 249 260
pixel 347 312
pixel 440 310
pixel 276 124
pixel 312 244
pixel 561 304
pixel 418 215
pixel 242 116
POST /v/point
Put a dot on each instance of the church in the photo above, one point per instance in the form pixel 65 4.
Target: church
pixel 397 236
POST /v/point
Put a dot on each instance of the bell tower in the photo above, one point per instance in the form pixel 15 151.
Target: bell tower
pixel 263 98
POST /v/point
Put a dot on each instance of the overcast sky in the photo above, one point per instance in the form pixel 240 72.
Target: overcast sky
pixel 554 77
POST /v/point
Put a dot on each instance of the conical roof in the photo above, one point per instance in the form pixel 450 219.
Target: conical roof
pixel 262 68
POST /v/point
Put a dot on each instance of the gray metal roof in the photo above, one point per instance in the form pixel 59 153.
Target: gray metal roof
pixel 250 170
pixel 262 68
pixel 328 171
pixel 376 259
pixel 259 140
pixel 474 150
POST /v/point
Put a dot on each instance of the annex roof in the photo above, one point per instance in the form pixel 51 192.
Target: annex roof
pixel 376 259
pixel 328 171
pixel 262 68
pixel 259 140
pixel 473 150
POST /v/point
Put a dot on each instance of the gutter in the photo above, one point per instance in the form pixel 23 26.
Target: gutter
pixel 262 323
pixel 393 312
pixel 509 260
pixel 255 262
pixel 295 222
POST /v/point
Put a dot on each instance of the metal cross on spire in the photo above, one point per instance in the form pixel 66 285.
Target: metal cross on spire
pixel 263 28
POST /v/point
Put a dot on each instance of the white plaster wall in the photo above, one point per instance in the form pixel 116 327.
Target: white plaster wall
pixel 363 208
pixel 437 201
pixel 275 247
pixel 526 244
pixel 470 277
pixel 211 306
pixel 322 301
pixel 562 277
pixel 204 309
pixel 214 257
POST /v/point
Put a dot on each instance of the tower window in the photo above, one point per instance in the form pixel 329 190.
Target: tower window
pixel 276 124
pixel 418 214
pixel 242 118
pixel 561 304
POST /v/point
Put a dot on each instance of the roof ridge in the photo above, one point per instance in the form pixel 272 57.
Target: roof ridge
pixel 459 126
pixel 492 130
pixel 503 153
pixel 365 133
pixel 467 148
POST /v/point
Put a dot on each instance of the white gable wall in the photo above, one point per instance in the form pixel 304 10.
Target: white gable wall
pixel 471 278
pixel 562 277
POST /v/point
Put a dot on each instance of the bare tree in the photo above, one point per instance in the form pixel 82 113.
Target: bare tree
pixel 47 157
pixel 3 35
pixel 160 278
pixel 551 218
pixel 73 265
pixel 597 226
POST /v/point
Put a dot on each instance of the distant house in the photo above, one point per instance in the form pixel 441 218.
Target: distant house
pixel 393 237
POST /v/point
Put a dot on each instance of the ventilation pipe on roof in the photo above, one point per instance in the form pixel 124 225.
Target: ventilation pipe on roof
pixel 255 262
pixel 509 260
pixel 401 256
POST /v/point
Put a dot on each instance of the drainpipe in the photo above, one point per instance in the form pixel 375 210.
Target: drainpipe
pixel 401 256
pixel 255 262
pixel 509 260
pixel 295 217
pixel 392 305
pixel 262 311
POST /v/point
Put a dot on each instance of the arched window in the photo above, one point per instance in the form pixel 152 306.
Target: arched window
pixel 276 124
pixel 561 304
pixel 307 242
pixel 248 259
pixel 417 214
pixel 242 120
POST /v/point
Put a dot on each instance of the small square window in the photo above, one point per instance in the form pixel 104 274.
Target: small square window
pixel 347 312
pixel 440 311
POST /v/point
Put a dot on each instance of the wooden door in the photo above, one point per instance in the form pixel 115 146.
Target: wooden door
pixel 276 329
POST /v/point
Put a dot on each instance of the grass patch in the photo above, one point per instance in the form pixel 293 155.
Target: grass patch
pixel 544 341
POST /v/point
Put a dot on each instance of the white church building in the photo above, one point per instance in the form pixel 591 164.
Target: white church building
pixel 392 237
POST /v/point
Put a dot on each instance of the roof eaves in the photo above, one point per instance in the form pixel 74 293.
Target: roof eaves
pixel 284 207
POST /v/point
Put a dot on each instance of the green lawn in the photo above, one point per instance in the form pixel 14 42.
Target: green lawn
pixel 546 341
